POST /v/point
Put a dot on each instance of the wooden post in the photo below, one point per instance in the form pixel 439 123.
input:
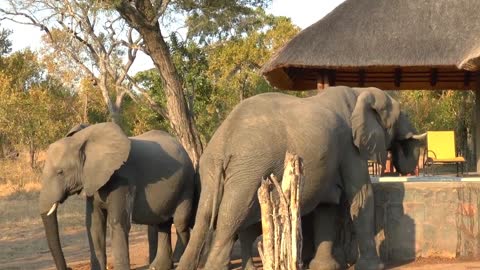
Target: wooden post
pixel 477 121
pixel 281 248
pixel 323 80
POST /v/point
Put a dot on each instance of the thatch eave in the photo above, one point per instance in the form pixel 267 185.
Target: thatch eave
pixel 438 37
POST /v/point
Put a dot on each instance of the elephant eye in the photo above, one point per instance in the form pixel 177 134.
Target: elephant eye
pixel 60 172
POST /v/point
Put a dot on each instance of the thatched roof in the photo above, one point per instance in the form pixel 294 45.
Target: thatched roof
pixel 386 39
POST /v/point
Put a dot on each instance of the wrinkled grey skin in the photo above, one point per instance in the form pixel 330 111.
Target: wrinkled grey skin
pixel 334 132
pixel 147 179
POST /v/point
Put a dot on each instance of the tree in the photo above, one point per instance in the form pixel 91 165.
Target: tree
pixel 23 68
pixel 192 63
pixel 212 19
pixel 37 113
pixel 235 63
pixel 95 40
pixel 5 42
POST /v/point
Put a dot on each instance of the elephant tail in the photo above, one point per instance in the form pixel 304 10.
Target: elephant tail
pixel 217 193
pixel 196 197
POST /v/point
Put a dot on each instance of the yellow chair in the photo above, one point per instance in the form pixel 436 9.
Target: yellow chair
pixel 441 150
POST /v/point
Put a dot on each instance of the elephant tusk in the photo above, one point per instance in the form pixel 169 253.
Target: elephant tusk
pixel 419 136
pixel 54 207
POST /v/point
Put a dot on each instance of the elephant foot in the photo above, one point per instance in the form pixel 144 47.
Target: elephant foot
pixel 211 267
pixel 249 266
pixel 325 264
pixel 166 265
pixel 369 264
pixel 160 268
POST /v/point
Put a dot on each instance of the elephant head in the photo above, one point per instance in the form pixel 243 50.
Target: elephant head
pixel 379 125
pixel 84 160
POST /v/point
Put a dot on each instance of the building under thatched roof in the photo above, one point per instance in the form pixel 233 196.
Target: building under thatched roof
pixel 390 44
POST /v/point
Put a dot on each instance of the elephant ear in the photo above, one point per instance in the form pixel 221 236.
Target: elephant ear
pixel 373 117
pixel 104 148
pixel 405 129
pixel 76 129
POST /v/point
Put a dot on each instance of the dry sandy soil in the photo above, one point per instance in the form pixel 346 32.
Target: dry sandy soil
pixel 23 245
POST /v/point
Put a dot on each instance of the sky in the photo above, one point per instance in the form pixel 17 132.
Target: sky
pixel 302 12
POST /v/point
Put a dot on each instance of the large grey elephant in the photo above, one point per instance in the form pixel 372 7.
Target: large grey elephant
pixel 147 179
pixel 335 132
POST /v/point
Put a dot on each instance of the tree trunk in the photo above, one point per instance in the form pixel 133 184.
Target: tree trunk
pixel 32 153
pixel 281 248
pixel 85 108
pixel 180 118
pixel 178 113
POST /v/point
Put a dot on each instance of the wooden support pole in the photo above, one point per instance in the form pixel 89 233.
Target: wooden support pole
pixel 433 76
pixel 361 77
pixel 281 248
pixel 467 76
pixel 477 120
pixel 398 77
pixel 323 80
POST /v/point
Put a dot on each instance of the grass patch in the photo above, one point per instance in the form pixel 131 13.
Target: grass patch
pixel 17 178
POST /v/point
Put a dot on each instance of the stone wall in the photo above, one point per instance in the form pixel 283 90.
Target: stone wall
pixel 426 219
pixel 422 219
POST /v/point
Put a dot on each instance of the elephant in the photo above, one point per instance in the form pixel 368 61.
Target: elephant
pixel 335 132
pixel 146 179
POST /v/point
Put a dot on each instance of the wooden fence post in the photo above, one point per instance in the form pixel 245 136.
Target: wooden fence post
pixel 281 246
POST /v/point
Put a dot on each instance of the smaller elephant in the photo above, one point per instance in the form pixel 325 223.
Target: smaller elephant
pixel 146 179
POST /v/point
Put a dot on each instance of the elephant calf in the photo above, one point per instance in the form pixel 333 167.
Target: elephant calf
pixel 147 179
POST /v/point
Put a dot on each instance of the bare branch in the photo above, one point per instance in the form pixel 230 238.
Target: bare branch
pixel 81 40
pixel 31 20
pixel 132 54
pixel 161 6
pixel 144 98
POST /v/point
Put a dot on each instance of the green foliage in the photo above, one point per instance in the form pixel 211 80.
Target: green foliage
pixel 438 110
pixel 93 107
pixel 23 68
pixel 218 76
pixel 139 117
pixel 218 64
pixel 37 117
pixel 442 110
pixel 192 64
pixel 5 42
pixel 209 21
pixel 234 64
pixel 35 110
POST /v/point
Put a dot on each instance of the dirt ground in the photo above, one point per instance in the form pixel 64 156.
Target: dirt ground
pixel 23 245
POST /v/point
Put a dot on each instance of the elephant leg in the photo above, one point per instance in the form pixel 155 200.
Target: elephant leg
pixel 232 213
pixel 324 226
pixel 152 242
pixel 119 222
pixel 191 256
pixel 308 249
pixel 96 229
pixel 163 258
pixel 359 193
pixel 247 238
pixel 181 220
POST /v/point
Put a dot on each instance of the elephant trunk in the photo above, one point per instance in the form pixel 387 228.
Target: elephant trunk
pixel 50 224
pixel 405 156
